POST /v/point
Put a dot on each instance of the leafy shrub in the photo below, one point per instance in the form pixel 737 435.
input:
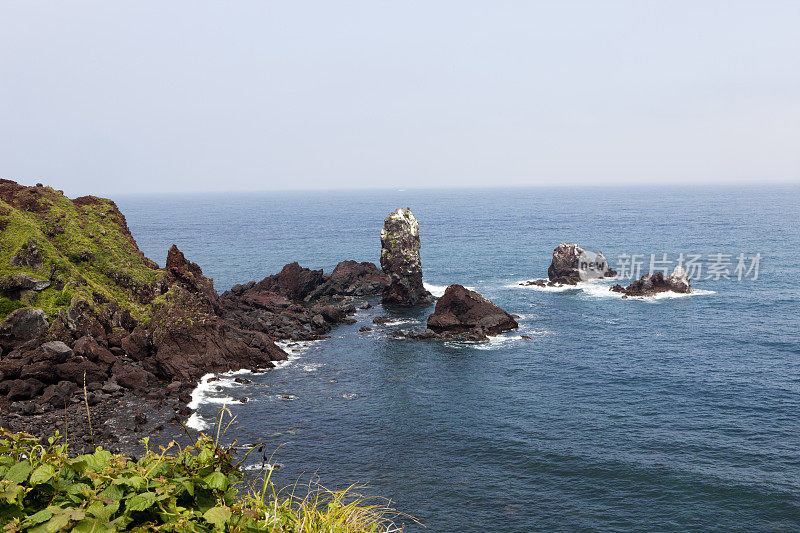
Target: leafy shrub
pixel 43 489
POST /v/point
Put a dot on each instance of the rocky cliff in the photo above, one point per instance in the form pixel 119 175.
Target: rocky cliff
pixel 81 305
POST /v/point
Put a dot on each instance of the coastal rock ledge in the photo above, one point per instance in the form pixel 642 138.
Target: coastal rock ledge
pixel 400 260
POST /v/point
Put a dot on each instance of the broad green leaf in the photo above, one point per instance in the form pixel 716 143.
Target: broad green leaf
pixel 103 457
pixel 135 481
pixel 205 456
pixel 216 480
pixel 56 524
pixel 90 525
pixel 78 488
pixel 112 492
pixel 218 516
pixel 12 492
pixel 101 511
pixel 84 463
pixel 37 518
pixel 18 473
pixel 140 502
pixel 42 474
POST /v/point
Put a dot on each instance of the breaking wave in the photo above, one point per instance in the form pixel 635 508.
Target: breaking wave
pixel 601 288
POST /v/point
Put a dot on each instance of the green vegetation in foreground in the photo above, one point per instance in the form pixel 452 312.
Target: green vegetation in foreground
pixel 195 489
pixel 83 246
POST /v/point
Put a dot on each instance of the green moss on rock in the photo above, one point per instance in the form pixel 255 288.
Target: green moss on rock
pixel 82 246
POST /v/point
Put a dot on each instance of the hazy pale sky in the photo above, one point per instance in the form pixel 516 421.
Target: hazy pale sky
pixel 110 97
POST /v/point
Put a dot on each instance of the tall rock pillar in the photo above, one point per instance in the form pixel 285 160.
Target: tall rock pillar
pixel 400 260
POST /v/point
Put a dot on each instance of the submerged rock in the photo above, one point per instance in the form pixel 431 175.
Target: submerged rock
pixel 652 284
pixel 400 260
pixel 461 310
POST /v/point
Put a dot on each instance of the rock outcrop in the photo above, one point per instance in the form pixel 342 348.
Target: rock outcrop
pixel 23 325
pixel 190 335
pixel 461 314
pixel 351 278
pixel 400 260
pixel 571 264
pixel 461 310
pixel 652 284
pixel 80 305
pixel 303 304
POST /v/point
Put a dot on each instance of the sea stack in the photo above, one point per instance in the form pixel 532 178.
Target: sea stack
pixel 400 260
pixel 461 310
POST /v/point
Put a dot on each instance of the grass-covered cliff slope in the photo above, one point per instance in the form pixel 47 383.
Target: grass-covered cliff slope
pixel 79 247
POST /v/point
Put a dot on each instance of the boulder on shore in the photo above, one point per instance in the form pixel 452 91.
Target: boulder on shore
pixel 652 284
pixel 400 260
pixel 461 311
pixel 24 324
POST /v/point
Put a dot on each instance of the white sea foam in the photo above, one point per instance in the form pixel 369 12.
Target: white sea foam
pixel 499 341
pixel 402 322
pixel 601 288
pixel 196 422
pixel 201 391
pixel 294 349
pixel 438 290
pixel 545 288
pixel 263 466
pixel 208 388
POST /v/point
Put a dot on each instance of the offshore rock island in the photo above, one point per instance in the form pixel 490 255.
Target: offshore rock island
pixel 571 264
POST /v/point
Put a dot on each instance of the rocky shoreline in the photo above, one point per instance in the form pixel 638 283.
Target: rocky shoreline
pixel 100 343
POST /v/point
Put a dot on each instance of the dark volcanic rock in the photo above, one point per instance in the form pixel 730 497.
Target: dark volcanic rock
pixel 24 389
pixel 400 260
pixel 189 334
pixel 24 324
pixel 351 278
pixel 58 395
pixel 564 266
pixel 56 351
pixel 294 282
pixel 652 284
pixel 19 284
pixel 302 304
pixel 461 310
pixel 571 264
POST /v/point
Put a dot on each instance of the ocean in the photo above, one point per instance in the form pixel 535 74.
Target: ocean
pixel 667 414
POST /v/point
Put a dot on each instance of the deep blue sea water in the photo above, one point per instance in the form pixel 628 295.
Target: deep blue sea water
pixel 619 415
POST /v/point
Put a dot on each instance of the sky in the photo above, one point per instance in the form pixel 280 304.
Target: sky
pixel 111 97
